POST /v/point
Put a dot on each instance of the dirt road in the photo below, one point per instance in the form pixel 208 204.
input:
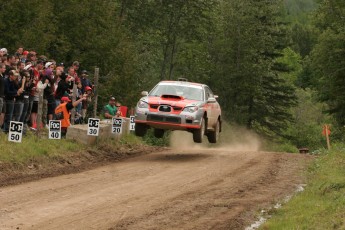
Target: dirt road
pixel 174 189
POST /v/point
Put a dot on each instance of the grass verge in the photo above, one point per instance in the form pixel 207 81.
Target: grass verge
pixel 32 148
pixel 322 204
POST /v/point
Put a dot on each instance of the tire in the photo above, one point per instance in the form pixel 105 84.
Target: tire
pixel 213 136
pixel 198 134
pixel 158 133
pixel 140 129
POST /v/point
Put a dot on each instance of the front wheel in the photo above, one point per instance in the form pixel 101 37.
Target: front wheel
pixel 140 129
pixel 213 136
pixel 198 134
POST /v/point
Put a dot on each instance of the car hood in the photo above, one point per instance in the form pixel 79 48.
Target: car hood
pixel 171 100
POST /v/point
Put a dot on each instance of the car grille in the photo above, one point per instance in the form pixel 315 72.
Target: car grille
pixel 169 119
pixel 154 106
pixel 176 108
pixel 164 108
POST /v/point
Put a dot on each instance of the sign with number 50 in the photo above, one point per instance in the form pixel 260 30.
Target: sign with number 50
pixel 15 132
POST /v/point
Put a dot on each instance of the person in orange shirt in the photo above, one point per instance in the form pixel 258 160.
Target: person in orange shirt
pixel 62 112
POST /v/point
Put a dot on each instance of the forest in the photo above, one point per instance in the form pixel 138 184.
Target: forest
pixel 277 66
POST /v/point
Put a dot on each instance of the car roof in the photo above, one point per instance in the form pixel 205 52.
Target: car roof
pixel 182 83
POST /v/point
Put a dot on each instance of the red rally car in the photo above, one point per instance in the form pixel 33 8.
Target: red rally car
pixel 179 105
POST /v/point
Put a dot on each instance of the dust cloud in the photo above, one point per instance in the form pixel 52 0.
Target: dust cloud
pixel 231 139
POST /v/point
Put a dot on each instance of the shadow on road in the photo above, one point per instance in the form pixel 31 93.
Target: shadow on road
pixel 180 157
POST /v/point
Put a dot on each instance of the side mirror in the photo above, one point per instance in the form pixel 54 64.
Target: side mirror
pixel 216 96
pixel 144 93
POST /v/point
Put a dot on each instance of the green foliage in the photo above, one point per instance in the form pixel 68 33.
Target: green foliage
pixel 248 73
pixel 306 130
pixel 322 204
pixel 286 147
pixel 328 57
pixel 150 139
pixel 253 54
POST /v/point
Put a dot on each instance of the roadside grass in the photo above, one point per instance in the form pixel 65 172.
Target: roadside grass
pixel 32 148
pixel 322 204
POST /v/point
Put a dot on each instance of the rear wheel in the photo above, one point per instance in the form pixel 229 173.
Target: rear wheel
pixel 213 136
pixel 198 134
pixel 158 133
pixel 140 129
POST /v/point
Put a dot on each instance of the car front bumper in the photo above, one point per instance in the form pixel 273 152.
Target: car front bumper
pixel 161 120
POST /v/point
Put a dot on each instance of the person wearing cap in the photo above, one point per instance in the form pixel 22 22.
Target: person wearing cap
pixel 110 109
pixel 62 112
pixel 75 66
pixel 84 80
pixel 47 85
pixel 24 56
pixel 49 65
pixel 11 90
pixel 3 51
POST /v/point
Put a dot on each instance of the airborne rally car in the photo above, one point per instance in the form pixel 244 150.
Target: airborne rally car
pixel 179 105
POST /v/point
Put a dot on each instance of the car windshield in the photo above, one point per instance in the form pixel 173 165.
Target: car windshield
pixel 191 92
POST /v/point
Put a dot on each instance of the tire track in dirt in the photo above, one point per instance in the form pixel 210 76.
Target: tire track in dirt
pixel 176 189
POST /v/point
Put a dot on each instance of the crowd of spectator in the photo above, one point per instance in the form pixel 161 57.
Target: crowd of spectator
pixel 24 74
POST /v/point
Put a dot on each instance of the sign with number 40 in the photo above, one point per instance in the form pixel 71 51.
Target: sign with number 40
pixel 54 129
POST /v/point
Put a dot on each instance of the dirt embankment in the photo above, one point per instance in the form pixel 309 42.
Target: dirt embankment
pixel 71 162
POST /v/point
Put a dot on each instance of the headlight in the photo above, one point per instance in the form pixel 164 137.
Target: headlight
pixel 143 105
pixel 191 109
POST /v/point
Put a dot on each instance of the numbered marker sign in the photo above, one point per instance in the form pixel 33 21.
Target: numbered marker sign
pixel 132 123
pixel 117 125
pixel 93 127
pixel 16 131
pixel 55 130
